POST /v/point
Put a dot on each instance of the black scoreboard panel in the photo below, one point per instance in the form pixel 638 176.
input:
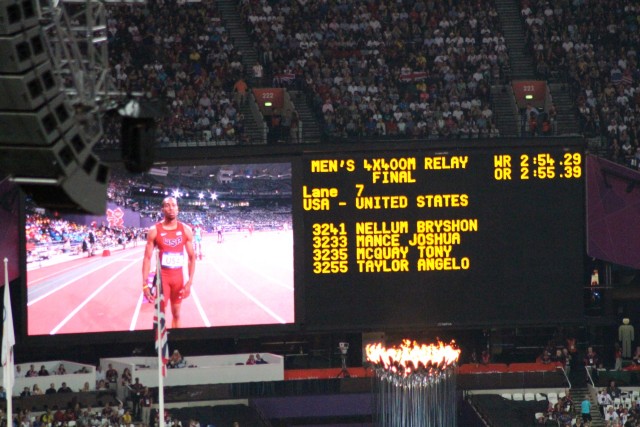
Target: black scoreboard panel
pixel 440 237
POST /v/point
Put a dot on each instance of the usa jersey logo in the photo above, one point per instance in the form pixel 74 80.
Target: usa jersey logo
pixel 172 242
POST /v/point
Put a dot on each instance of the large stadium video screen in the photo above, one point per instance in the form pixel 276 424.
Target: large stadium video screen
pixel 84 273
pixel 341 238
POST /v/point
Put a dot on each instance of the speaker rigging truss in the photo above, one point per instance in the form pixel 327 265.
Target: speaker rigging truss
pixel 77 35
pixel 57 85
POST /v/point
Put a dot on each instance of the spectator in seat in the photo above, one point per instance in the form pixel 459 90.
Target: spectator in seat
pixel 108 412
pixel 46 418
pixel 604 400
pixel 61 370
pixel 111 374
pixel 613 390
pixel 258 73
pixel 119 410
pixel 617 354
pixel 25 392
pixel 64 388
pixel 559 359
pixel 546 357
pixel 176 360
pixel 100 376
pixel 58 416
pixel 485 357
pixel 532 124
pixel 611 417
pixel 126 418
pixel 251 360
pixel 126 377
pixel 591 361
pixel 568 359
pixel 636 356
pixel 43 371
pixel 69 415
pixel 51 389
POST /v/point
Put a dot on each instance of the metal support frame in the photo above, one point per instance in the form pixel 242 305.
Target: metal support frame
pixel 76 31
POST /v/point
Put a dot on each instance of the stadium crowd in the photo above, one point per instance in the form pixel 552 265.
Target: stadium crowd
pixel 180 52
pixel 48 236
pixel 418 69
pixel 412 69
pixel 592 47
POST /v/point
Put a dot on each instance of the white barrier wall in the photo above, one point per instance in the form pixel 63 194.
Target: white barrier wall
pixel 73 380
pixel 202 369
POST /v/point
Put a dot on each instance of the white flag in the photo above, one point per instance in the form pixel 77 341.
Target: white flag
pixel 8 341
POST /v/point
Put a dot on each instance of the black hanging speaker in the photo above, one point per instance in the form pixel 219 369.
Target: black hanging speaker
pixel 138 143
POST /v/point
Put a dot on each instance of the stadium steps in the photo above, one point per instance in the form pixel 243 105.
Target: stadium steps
pixel 522 67
pixel 243 43
pixel 505 110
pixel 254 130
pixel 566 119
pixel 311 131
pixel 241 40
pixel 578 394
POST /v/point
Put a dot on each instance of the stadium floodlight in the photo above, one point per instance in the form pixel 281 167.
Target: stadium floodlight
pixel 45 142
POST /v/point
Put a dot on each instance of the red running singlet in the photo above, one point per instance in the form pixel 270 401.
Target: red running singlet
pixel 170 243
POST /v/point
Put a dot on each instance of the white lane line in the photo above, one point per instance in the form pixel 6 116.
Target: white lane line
pixel 75 279
pixel 89 298
pixel 117 257
pixel 54 274
pixel 205 319
pixel 134 319
pixel 273 279
pixel 248 295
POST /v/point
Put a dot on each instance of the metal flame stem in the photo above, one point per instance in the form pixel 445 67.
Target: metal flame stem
pixel 421 399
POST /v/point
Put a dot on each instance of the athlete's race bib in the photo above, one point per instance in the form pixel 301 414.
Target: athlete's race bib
pixel 172 260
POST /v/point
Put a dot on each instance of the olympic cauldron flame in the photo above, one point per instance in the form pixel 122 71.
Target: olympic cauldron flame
pixel 412 357
pixel 414 384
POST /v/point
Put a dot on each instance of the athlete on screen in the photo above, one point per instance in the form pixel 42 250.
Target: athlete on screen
pixel 220 236
pixel 172 238
pixel 197 240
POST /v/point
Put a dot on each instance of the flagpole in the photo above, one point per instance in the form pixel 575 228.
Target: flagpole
pixel 8 393
pixel 8 340
pixel 160 377
pixel 159 332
